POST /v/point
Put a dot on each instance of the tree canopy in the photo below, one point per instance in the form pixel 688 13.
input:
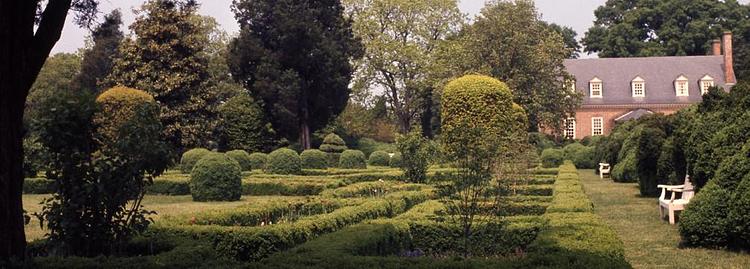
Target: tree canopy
pixel 294 56
pixel 400 39
pixel 508 41
pixel 636 28
pixel 166 59
pixel 97 61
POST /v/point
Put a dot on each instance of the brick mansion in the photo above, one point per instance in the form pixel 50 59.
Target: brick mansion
pixel 619 89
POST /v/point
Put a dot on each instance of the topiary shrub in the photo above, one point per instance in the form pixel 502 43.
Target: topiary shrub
pixel 314 159
pixel 379 158
pixel 396 160
pixel 582 156
pixel 242 157
pixel 190 157
pixel 216 177
pixel 352 159
pixel 333 146
pixel 570 151
pixel 739 219
pixel 117 106
pixel 258 160
pixel 705 222
pixel 284 161
pixel 552 158
pixel 243 124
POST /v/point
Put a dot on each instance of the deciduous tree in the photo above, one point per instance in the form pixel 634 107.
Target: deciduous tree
pixel 639 28
pixel 400 38
pixel 508 41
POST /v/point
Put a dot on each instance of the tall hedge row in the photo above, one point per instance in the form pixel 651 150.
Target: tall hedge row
pixel 709 141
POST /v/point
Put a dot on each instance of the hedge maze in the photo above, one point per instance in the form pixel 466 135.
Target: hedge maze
pixel 368 218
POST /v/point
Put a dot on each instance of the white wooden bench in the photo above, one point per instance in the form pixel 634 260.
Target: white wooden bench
pixel 672 204
pixel 604 169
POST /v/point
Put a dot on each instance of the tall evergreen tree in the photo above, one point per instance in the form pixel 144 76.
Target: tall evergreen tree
pixel 97 61
pixel 294 56
pixel 167 60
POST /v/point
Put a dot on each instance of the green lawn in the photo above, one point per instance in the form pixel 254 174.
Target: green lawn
pixel 650 242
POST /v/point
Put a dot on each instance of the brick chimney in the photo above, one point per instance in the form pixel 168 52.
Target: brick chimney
pixel 728 61
pixel 716 44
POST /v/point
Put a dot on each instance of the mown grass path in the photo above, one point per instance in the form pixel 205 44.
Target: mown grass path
pixel 649 242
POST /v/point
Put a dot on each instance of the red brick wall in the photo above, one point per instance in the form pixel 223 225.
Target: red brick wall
pixel 609 114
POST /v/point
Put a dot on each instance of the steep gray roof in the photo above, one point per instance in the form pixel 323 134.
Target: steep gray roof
pixel 634 115
pixel 659 74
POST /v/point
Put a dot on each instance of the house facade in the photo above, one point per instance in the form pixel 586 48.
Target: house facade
pixel 615 90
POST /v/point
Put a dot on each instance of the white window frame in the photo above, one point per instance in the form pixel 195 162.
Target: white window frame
pixel 596 82
pixel 570 128
pixel 634 87
pixel 706 83
pixel 594 130
pixel 681 81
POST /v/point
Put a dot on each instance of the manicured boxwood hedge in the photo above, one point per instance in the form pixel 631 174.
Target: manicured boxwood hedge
pixel 284 161
pixel 352 159
pixel 258 160
pixel 379 158
pixel 242 157
pixel 575 237
pixel 314 159
pixel 257 242
pixel 216 177
pixel 190 157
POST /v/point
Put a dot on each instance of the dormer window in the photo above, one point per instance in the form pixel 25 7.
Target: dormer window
pixel 596 88
pixel 706 83
pixel 681 86
pixel 638 87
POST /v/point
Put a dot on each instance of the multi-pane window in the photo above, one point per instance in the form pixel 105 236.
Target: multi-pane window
pixel 570 128
pixel 596 88
pixel 638 87
pixel 597 126
pixel 681 86
pixel 706 83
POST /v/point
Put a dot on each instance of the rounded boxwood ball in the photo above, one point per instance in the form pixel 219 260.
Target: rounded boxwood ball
pixel 379 158
pixel 242 157
pixel 314 159
pixel 284 161
pixel 216 177
pixel 396 160
pixel 552 158
pixel 352 159
pixel 190 157
pixel 258 160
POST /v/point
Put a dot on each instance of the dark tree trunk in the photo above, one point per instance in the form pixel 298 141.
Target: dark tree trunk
pixel 427 114
pixel 304 136
pixel 22 54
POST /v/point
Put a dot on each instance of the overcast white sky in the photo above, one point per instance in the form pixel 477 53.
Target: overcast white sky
pixel 578 14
